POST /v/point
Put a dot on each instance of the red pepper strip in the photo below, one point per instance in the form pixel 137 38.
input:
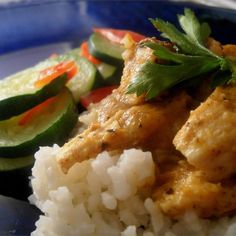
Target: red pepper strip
pixel 71 72
pixel 96 95
pixel 35 111
pixel 85 53
pixel 51 73
pixel 116 35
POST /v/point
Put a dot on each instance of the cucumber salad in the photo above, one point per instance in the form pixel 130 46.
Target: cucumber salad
pixel 39 105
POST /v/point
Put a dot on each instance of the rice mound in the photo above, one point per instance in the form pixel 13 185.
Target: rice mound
pixel 108 195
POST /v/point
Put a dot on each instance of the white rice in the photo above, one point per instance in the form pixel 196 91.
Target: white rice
pixel 108 195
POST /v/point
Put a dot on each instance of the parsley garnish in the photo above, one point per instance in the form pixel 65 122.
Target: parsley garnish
pixel 190 60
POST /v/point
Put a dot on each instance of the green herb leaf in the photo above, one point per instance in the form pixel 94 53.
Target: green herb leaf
pixel 192 58
pixel 195 31
pixel 155 78
pixel 170 32
pixel 220 78
pixel 232 66
pixel 164 53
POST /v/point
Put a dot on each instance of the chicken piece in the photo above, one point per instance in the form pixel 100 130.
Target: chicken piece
pixel 100 112
pixel 126 121
pixel 135 57
pixel 182 188
pixel 229 50
pixel 148 126
pixel 125 129
pixel 214 46
pixel 207 139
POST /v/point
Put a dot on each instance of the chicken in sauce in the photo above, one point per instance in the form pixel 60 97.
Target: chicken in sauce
pixel 193 143
pixel 126 121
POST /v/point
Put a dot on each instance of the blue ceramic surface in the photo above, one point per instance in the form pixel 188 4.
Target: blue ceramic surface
pixel 37 22
pixel 65 23
pixel 16 217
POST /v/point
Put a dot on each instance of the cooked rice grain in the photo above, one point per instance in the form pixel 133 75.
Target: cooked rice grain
pixel 108 196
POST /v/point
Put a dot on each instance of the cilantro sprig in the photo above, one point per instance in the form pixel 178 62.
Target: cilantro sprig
pixel 190 60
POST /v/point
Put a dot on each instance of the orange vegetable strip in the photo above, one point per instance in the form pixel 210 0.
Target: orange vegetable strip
pixel 35 111
pixel 85 53
pixel 50 73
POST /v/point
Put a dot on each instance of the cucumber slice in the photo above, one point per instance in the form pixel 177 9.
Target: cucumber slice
pixel 106 70
pixel 52 125
pixel 105 50
pixel 87 77
pixel 9 164
pixel 18 92
pixel 110 74
pixel 85 80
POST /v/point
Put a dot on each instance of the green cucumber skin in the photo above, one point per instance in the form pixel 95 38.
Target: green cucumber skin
pixel 102 55
pixel 107 73
pixel 115 78
pixel 94 80
pixel 98 80
pixel 13 164
pixel 54 134
pixel 16 105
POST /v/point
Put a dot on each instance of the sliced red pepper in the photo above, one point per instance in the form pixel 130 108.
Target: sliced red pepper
pixel 116 35
pixel 35 111
pixel 96 95
pixel 50 73
pixel 71 72
pixel 85 53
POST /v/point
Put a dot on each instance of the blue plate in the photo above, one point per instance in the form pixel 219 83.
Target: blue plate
pixel 16 217
pixel 39 22
pixel 32 30
pixel 57 25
